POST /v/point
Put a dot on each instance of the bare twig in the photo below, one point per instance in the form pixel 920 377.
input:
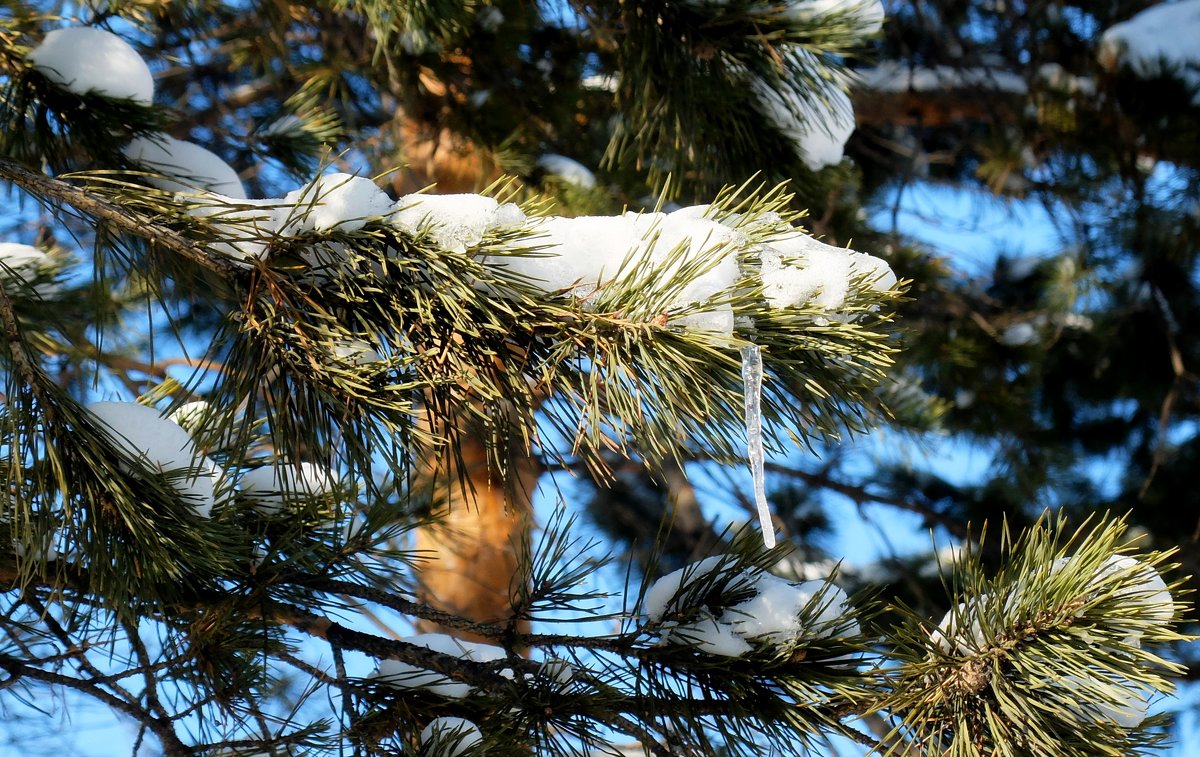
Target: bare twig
pixel 161 727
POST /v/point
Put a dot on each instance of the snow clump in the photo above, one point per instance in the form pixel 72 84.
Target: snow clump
pixel 960 631
pixel 782 611
pixel 686 258
pixel 185 167
pixel 453 222
pixel 817 127
pixel 163 445
pixel 570 171
pixel 866 16
pixel 770 610
pixel 1098 697
pixel 191 415
pixel 23 266
pixel 1093 695
pixel 245 227
pixel 335 201
pixel 403 675
pixel 272 487
pixel 1147 594
pixel 580 255
pixel 1161 39
pixel 84 61
pixel 798 270
pixel 575 255
pixel 41 549
pixel 450 737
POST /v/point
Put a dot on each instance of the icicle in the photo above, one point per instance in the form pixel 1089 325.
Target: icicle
pixel 752 375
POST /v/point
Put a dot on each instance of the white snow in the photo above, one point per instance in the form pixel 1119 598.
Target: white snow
pixel 21 267
pixel 1100 697
pixel 865 15
pixel 191 415
pixel 185 167
pixel 752 377
pixel 1019 334
pixel 335 201
pixel 37 550
pixel 662 597
pixel 897 77
pixel 489 18
pixel 1164 38
pixel 710 637
pixel 1092 695
pixel 245 226
pixel 773 613
pixel 712 247
pixel 85 60
pixel 952 637
pixel 782 611
pixel 569 170
pixel 1147 591
pixel 719 320
pixel 580 255
pixel 818 127
pixel 573 253
pixel 1150 594
pixel 779 612
pixel 875 271
pixel 355 352
pixel 271 487
pixel 345 203
pixel 819 275
pixel 449 737
pixel 163 445
pixel 454 222
pixel 22 260
pixel 689 260
pixel 798 270
pixel 406 676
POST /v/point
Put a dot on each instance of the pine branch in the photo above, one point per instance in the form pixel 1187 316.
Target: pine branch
pixel 103 211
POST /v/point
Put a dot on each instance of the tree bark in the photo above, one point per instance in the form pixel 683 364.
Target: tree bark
pixel 472 560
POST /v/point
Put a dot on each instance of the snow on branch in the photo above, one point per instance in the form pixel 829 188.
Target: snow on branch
pixel 1160 40
pixel 720 606
pixel 899 77
pixel 1069 628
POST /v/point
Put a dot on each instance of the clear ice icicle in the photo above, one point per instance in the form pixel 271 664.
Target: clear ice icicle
pixel 752 376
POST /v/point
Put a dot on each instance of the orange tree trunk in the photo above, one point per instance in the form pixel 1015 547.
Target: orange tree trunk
pixel 471 555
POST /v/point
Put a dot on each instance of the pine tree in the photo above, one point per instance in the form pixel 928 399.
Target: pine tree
pixel 254 445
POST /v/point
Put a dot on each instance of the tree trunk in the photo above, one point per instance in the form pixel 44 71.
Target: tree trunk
pixel 472 554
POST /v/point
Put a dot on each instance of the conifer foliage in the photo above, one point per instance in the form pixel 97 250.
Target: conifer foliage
pixel 253 383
